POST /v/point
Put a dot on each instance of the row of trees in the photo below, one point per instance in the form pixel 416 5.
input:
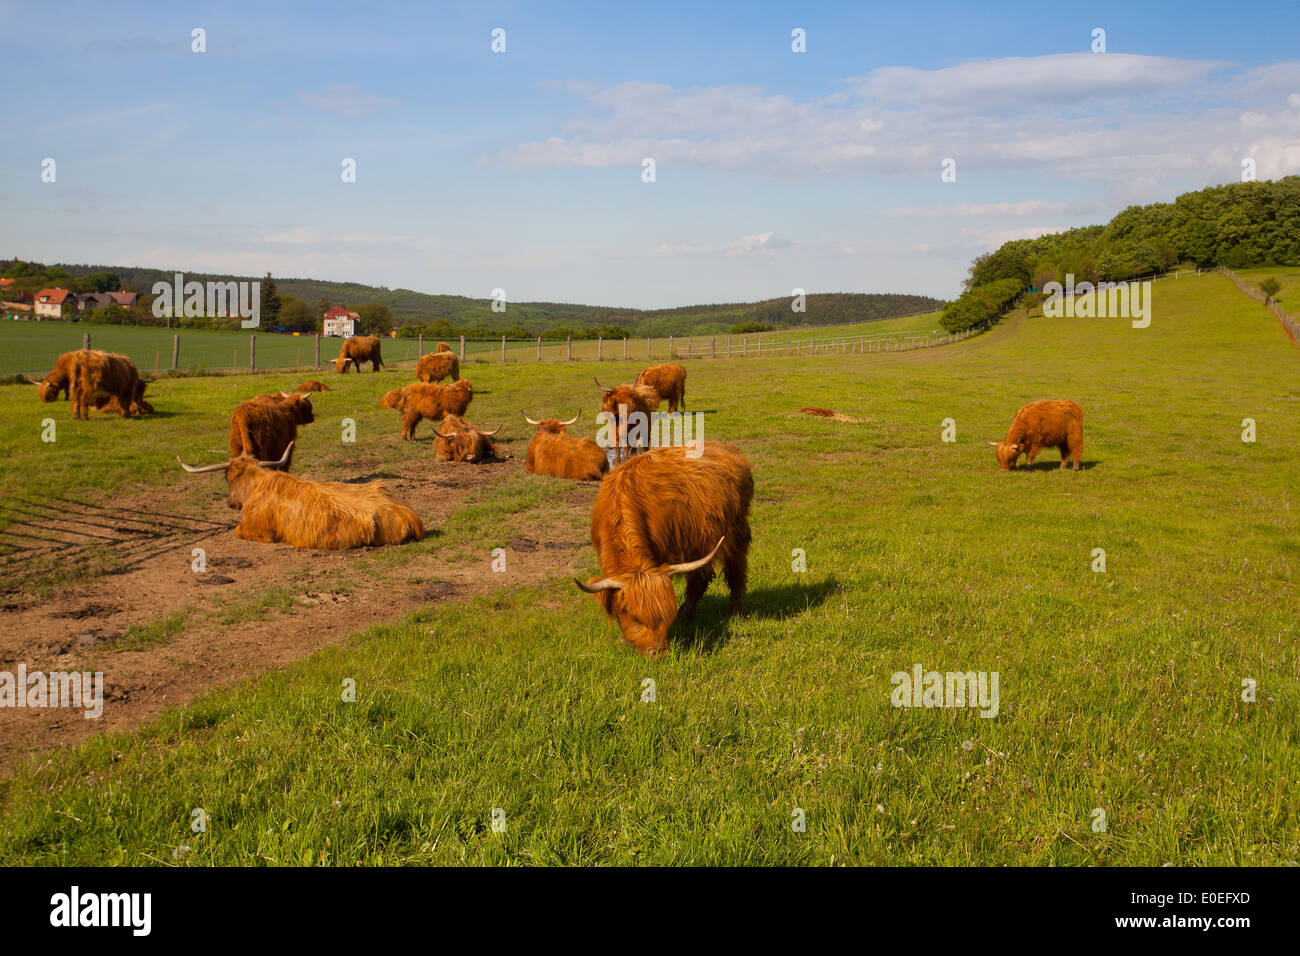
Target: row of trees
pixel 1237 226
pixel 980 303
pixel 442 329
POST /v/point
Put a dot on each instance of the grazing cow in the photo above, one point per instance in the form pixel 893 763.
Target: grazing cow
pixel 443 347
pixel 263 427
pixel 110 404
pixel 555 452
pixel 435 366
pixel 622 401
pixel 662 514
pixel 421 400
pixel 1039 425
pixel 361 348
pixel 311 385
pixel 668 381
pixel 107 375
pixel 278 507
pixel 60 379
pixel 460 440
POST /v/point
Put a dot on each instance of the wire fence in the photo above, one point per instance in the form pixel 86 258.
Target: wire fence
pixel 1289 323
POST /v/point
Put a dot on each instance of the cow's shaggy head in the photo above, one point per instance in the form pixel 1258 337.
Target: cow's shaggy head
pixel 644 602
pixel 552 425
pixel 394 398
pixel 1007 453
pixel 341 363
pixel 48 390
pixel 236 470
pixel 299 406
pixel 459 440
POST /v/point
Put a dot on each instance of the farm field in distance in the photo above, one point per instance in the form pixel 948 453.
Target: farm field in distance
pixel 31 348
pixel 1120 691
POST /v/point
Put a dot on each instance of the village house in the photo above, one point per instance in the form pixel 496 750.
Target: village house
pixel 338 321
pixel 51 302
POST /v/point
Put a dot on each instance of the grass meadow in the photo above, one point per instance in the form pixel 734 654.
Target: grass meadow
pixel 31 348
pixel 1120 692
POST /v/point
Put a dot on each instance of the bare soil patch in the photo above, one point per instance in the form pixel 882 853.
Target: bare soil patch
pixel 257 606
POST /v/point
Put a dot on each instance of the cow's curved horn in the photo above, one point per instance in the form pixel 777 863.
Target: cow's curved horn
pixel 448 437
pixel 599 386
pixel 203 470
pixel 284 459
pixel 696 565
pixel 490 434
pixel 993 443
pixel 531 421
pixel 284 394
pixel 573 419
pixel 604 584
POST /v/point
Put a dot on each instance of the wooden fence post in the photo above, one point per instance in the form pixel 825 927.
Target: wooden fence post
pixel 419 352
pixel 318 350
pixel 688 346
pixel 539 348
pixel 503 349
pixel 176 351
pixel 252 351
pixel 647 349
pixel 569 347
pixel 462 348
pixel 713 346
pixel 670 348
pixel 600 346
pixel 85 340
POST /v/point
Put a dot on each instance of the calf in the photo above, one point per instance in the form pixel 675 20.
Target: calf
pixel 311 385
pixel 1039 425
pixel 435 366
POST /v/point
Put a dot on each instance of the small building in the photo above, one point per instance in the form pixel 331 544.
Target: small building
pixel 338 321
pixel 94 300
pixel 125 299
pixel 50 303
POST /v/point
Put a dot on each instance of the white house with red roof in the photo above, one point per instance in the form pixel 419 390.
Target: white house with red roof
pixel 340 322
pixel 50 302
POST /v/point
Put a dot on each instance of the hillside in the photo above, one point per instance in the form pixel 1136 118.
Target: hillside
pixel 533 318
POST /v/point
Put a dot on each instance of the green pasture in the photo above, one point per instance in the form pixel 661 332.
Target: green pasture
pixel 1121 692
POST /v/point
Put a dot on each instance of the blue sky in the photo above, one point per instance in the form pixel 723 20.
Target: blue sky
pixel 522 170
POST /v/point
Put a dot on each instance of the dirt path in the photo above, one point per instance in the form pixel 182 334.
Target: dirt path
pixel 223 636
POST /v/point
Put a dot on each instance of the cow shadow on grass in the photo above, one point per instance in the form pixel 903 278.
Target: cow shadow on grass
pixel 710 629
pixel 1056 466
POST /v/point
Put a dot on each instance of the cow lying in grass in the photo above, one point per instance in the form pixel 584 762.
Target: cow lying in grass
pixel 460 440
pixel 555 452
pixel 661 514
pixel 276 507
pixel 421 400
pixel 435 366
pixel 1050 423
pixel 265 426
pixel 96 375
pixel 354 351
pixel 669 383
pixel 311 385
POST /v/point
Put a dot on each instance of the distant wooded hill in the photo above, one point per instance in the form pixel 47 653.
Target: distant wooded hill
pixel 534 318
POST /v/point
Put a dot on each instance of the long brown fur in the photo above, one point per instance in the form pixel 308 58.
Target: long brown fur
pixel 632 398
pixel 1039 425
pixel 97 374
pixel 60 379
pixel 358 349
pixel 555 452
pixel 663 508
pixel 277 507
pixel 421 400
pixel 435 366
pixel 467 443
pixel 669 381
pixel 111 405
pixel 263 427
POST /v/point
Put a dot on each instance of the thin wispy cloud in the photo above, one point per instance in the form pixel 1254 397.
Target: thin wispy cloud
pixel 345 100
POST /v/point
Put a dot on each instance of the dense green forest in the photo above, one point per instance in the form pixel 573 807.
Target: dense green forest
pixel 1236 226
pixel 302 301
